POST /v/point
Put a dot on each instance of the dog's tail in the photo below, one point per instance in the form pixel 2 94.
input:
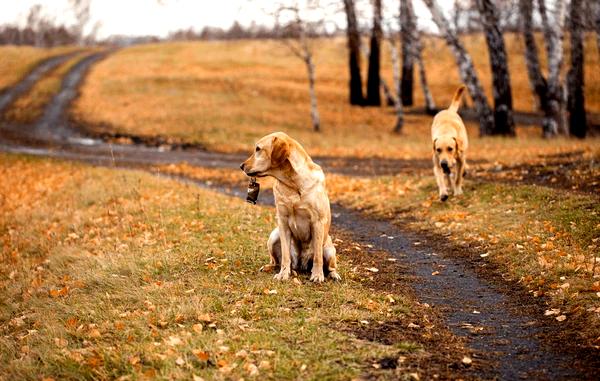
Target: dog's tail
pixel 456 100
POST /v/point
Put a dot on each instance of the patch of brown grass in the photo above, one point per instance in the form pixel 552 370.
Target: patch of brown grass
pixel 108 273
pixel 545 239
pixel 226 95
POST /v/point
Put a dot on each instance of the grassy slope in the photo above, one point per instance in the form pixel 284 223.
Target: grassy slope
pixel 17 61
pixel 107 273
pixel 227 94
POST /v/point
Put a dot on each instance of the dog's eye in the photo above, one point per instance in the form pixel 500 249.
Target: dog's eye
pixel 449 149
pixel 439 150
pixel 257 149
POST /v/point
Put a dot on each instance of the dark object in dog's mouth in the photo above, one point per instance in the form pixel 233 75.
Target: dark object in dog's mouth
pixel 445 168
pixel 253 189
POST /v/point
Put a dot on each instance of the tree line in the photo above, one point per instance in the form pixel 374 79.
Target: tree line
pixel 561 101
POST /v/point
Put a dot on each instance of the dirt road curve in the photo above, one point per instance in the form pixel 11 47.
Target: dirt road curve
pixel 502 329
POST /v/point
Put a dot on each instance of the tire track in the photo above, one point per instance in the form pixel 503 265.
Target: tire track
pixel 12 93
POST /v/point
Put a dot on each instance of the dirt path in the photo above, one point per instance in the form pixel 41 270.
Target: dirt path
pixel 12 93
pixel 497 326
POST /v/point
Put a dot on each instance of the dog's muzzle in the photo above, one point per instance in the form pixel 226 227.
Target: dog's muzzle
pixel 253 189
pixel 445 167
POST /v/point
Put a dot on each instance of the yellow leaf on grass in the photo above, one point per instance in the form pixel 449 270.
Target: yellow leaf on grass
pixel 197 328
pixel 173 341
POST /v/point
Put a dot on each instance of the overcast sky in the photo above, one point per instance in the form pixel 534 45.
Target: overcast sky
pixel 159 17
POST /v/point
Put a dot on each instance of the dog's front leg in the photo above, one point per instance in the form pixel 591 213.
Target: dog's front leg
pixel 460 172
pixel 285 236
pixel 441 181
pixel 317 239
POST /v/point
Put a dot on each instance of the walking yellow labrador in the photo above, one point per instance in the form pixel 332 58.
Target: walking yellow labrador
pixel 450 143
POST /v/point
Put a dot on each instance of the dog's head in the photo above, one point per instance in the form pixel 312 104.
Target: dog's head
pixel 270 153
pixel 446 149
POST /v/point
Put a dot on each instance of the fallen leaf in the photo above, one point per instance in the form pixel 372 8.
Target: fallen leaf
pixel 180 361
pixel 197 328
pixel 242 354
pixel 373 269
pixel 197 378
pixel 264 364
pixel 467 361
pixel 94 334
pixel 561 318
pixel 60 342
pixel 201 355
pixel 413 325
pixel 204 317
pixel 435 273
pixel 251 369
pixel 134 360
pixel 173 341
pixel 553 311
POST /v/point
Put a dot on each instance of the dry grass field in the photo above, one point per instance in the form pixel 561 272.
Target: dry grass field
pixel 107 273
pixel 545 239
pixel 224 95
pixel 19 60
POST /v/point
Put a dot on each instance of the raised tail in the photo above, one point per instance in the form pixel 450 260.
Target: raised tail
pixel 456 100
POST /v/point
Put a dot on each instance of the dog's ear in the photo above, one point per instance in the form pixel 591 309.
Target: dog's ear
pixel 434 140
pixel 459 146
pixel 280 151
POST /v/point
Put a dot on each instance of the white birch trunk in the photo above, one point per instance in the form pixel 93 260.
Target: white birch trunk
pixel 466 68
pixel 397 99
pixel 555 117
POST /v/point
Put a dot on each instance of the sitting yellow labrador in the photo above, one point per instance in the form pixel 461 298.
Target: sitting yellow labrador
pixel 450 143
pixel 301 239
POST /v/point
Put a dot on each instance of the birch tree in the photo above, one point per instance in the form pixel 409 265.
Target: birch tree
pixel 407 33
pixel 503 108
pixel 465 68
pixel 597 24
pixel 536 78
pixel 429 102
pixel 576 103
pixel 554 115
pixel 397 102
pixel 296 39
pixel 353 36
pixel 373 79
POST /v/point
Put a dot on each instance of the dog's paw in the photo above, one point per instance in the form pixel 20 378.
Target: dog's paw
pixel 335 276
pixel 317 277
pixel 458 191
pixel 282 275
pixel 443 197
